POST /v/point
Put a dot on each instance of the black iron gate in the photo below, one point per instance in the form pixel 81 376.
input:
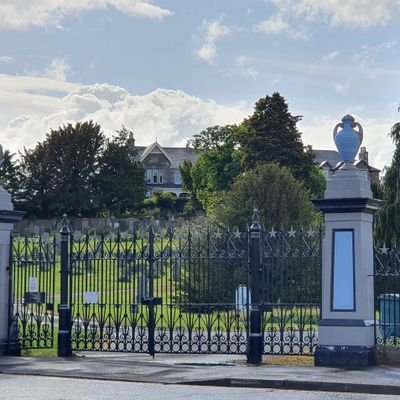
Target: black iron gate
pixel 387 297
pixel 34 287
pixel 190 289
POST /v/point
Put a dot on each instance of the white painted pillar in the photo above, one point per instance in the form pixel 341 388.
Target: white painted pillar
pixel 346 330
pixel 7 218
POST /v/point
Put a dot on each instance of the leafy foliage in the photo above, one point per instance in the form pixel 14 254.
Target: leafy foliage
pixel 59 172
pixel 387 220
pixel 271 135
pixel 10 176
pixel 120 184
pixel 280 198
pixel 218 164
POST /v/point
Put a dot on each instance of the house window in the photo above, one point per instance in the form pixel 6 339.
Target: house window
pixel 177 178
pixel 154 176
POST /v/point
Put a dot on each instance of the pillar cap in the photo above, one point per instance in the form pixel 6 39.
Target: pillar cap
pixel 348 205
pixel 10 216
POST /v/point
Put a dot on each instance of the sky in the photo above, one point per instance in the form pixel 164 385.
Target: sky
pixel 166 69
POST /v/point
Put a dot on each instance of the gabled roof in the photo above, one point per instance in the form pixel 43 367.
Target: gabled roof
pixel 154 148
pixel 362 164
pixel 175 155
pixel 331 156
pixel 325 164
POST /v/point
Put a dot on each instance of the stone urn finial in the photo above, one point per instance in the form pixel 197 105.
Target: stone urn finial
pixel 348 140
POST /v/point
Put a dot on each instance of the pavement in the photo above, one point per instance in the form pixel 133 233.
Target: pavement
pixel 209 370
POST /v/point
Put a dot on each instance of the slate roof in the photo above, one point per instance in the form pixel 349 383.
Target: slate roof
pixel 333 159
pixel 331 156
pixel 176 155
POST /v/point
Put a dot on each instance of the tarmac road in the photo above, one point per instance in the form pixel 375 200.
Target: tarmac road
pixel 25 387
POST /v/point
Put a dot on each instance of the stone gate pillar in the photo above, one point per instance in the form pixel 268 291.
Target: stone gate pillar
pixel 7 217
pixel 346 330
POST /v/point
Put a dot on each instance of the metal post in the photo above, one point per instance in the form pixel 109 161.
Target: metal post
pixel 151 302
pixel 151 325
pixel 64 312
pixel 255 340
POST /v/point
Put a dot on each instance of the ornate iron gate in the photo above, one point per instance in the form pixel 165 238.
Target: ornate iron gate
pixel 187 290
pixel 33 288
pixel 387 296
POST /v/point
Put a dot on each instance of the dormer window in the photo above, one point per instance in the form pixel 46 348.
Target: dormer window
pixel 154 176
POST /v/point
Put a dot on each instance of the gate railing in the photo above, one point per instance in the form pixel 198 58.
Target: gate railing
pixel 191 290
pixel 387 296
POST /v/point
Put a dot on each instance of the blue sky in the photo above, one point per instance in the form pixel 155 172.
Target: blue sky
pixel 168 68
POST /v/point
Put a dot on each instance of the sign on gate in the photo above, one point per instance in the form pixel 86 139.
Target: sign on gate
pixel 242 298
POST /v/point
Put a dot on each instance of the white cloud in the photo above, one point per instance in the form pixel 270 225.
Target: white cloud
pixel 342 88
pixel 29 108
pixel 331 56
pixel 243 68
pixel 366 56
pixel 276 25
pixel 58 70
pixel 7 59
pixel 356 13
pixel 273 25
pixel 212 32
pixel 21 14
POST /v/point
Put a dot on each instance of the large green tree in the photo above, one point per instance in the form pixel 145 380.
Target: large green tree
pixel 271 135
pixel 281 199
pixel 120 184
pixel 59 172
pixel 387 220
pixel 10 176
pixel 218 163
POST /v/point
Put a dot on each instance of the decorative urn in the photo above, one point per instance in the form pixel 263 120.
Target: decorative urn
pixel 348 140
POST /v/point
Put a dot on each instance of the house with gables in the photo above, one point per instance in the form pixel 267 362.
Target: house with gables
pixel 162 165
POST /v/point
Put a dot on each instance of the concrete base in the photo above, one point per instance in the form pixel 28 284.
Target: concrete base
pixel 344 356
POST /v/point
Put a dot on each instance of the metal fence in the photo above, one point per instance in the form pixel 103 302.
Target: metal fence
pixel 150 290
pixel 387 296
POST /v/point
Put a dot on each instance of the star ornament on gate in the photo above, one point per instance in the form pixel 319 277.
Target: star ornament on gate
pixel 384 249
pixel 310 232
pixel 218 234
pixel 237 234
pixel 272 232
pixel 292 232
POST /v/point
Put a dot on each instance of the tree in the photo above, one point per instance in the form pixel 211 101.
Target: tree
pixel 120 184
pixel 271 135
pixel 218 163
pixel 185 170
pixel 387 220
pixel 59 172
pixel 10 176
pixel 281 199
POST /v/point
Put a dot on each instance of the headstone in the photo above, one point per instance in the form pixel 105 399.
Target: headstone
pixel 90 298
pixel 176 270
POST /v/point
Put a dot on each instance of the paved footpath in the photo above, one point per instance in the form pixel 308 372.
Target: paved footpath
pixel 208 370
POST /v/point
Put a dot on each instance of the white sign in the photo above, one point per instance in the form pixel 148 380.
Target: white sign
pixel 242 298
pixel 33 284
pixel 91 298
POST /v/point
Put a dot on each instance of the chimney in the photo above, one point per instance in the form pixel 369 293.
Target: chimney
pixel 131 144
pixel 363 155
